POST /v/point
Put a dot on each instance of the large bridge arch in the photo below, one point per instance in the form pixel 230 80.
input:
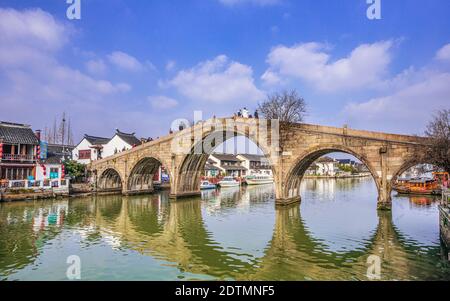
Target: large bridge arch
pixel 192 164
pixel 109 180
pixel 290 192
pixel 142 172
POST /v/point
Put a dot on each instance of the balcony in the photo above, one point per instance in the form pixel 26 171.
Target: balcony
pixel 18 158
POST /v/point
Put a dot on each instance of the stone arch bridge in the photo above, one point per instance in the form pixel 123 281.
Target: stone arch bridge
pixel 290 148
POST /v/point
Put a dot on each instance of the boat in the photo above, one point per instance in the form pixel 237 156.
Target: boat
pixel 259 180
pixel 228 182
pixel 207 185
pixel 422 186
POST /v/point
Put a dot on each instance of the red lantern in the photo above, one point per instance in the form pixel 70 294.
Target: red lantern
pixel 63 171
pixel 44 170
pixel 1 150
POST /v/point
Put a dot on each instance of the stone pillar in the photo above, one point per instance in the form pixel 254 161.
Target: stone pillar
pixel 285 194
pixel 384 190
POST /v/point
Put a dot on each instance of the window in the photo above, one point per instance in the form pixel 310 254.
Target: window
pixel 54 173
pixel 84 154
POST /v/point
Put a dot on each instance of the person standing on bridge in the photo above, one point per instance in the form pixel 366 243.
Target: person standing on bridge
pixel 244 112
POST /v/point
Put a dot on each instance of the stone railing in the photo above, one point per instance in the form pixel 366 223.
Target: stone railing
pixel 57 185
pixel 18 158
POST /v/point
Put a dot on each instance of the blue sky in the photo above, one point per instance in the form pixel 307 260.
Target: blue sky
pixel 139 65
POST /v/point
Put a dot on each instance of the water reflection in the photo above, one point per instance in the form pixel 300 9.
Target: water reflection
pixel 228 234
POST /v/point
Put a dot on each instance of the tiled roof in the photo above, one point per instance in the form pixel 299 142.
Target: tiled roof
pixel 233 167
pixel 211 167
pixel 13 133
pixel 226 157
pixel 325 160
pixel 129 138
pixel 257 158
pixel 96 140
pixel 59 149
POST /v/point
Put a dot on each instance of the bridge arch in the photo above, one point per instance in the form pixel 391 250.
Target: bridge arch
pixel 140 178
pixel 110 181
pixel 192 164
pixel 290 192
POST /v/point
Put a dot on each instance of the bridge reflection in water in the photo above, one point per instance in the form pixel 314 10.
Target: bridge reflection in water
pixel 178 236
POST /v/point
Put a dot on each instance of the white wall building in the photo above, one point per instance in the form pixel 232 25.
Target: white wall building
pixel 93 148
pixel 324 166
pixel 119 143
pixel 89 149
pixel 228 165
pixel 255 164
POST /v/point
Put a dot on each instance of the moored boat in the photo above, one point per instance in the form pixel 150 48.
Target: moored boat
pixel 228 182
pixel 422 186
pixel 259 180
pixel 207 185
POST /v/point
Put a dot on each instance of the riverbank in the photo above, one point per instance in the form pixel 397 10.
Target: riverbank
pixel 18 196
pixel 444 218
pixel 444 222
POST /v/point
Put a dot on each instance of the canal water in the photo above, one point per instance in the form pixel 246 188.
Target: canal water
pixel 230 234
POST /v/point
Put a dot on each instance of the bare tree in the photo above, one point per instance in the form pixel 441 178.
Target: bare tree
pixel 439 132
pixel 288 106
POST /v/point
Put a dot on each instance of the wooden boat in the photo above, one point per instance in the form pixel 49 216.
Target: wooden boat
pixel 228 182
pixel 422 186
pixel 259 180
pixel 207 185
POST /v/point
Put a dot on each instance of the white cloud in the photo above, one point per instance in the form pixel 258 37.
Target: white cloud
pixel 310 62
pixel 96 66
pixel 125 61
pixel 35 86
pixel 162 102
pixel 31 28
pixel 443 54
pixel 254 2
pixel 271 78
pixel 219 81
pixel 406 110
pixel 170 65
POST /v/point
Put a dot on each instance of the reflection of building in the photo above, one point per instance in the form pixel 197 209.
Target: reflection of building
pixel 255 164
pixel 95 148
pixel 18 151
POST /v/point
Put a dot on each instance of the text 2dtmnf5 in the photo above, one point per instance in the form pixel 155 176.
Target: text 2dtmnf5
pixel 226 290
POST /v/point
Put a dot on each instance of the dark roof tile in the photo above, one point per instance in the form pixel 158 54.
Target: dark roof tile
pixel 96 140
pixel 13 133
pixel 129 138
